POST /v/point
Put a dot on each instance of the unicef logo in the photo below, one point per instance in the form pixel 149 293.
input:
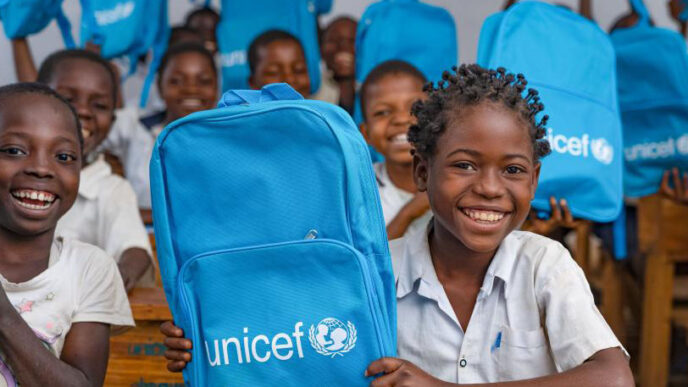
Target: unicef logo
pixel 682 144
pixel 602 150
pixel 331 337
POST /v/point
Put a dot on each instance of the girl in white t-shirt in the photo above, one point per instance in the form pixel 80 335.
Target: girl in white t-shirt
pixel 59 298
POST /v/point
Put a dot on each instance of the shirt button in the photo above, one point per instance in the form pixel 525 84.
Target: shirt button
pixel 463 363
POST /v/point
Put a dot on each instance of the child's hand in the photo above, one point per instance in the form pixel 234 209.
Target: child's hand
pixel 561 217
pixel 417 206
pixel 177 353
pixel 398 372
pixel 679 192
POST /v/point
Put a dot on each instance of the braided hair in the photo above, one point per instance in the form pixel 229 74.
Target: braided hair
pixel 469 86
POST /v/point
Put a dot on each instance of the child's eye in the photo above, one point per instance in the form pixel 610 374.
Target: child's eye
pixel 381 113
pixel 12 151
pixel 102 106
pixel 464 165
pixel 65 157
pixel 512 169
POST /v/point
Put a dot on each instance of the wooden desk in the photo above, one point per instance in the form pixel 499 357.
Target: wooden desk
pixel 136 357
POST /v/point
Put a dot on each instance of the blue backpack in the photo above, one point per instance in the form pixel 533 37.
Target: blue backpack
pixel 652 66
pixel 420 34
pixel 21 18
pixel 571 62
pixel 242 21
pixel 271 242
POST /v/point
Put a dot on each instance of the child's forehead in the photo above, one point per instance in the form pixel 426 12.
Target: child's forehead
pixel 83 74
pixel 282 45
pixel 27 111
pixel 393 84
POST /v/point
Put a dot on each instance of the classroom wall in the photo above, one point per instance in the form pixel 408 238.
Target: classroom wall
pixel 469 16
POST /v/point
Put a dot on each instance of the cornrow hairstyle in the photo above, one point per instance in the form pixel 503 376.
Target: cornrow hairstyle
pixel 265 39
pixel 183 48
pixel 47 70
pixel 384 69
pixel 201 11
pixel 469 86
pixel 10 91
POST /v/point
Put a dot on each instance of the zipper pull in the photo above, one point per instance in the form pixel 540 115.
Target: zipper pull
pixel 312 234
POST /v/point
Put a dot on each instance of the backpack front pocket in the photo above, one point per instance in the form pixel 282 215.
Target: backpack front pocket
pixel 301 313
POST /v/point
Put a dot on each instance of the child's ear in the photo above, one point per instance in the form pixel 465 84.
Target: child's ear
pixel 534 179
pixel 363 128
pixel 420 172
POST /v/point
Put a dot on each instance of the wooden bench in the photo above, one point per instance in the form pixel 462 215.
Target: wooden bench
pixel 136 357
pixel 663 239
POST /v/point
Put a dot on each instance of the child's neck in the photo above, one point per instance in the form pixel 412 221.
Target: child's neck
pixel 24 257
pixel 401 176
pixel 453 260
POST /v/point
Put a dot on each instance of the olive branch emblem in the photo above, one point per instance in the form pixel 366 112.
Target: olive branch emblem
pixel 350 342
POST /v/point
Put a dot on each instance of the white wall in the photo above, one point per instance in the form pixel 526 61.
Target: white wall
pixel 469 15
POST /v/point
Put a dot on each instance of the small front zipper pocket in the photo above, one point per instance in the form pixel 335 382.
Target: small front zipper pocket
pixel 300 313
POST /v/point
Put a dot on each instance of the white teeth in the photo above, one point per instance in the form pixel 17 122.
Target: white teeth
pixel 192 102
pixel 34 206
pixel 85 133
pixel 401 138
pixel 41 196
pixel 484 216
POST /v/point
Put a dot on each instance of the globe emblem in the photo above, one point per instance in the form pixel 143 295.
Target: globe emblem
pixel 331 337
pixel 682 144
pixel 602 150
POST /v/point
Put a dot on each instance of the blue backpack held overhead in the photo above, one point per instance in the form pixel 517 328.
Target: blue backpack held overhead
pixel 571 62
pixel 271 242
pixel 21 18
pixel 242 21
pixel 652 67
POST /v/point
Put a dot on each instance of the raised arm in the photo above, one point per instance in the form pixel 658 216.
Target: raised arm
pixel 24 67
pixel 585 9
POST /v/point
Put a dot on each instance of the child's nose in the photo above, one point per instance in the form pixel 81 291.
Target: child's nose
pixel 489 184
pixel 39 166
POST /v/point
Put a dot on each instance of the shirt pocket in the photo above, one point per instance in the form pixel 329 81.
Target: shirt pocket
pixel 523 354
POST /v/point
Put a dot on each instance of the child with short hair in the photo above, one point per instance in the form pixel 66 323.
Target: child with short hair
pixel 205 20
pixel 59 297
pixel 387 94
pixel 105 213
pixel 338 80
pixel 278 56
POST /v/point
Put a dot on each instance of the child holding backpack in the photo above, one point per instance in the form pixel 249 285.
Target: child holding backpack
pixel 387 94
pixel 59 297
pixel 479 302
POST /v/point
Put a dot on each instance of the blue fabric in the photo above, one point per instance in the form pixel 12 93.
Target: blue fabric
pixel 571 62
pixel 268 227
pixel 21 18
pixel 242 21
pixel 125 27
pixel 409 30
pixel 652 67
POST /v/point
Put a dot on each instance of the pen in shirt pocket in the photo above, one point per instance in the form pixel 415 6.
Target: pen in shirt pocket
pixel 497 343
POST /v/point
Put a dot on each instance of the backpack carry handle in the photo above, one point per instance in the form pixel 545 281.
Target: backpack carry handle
pixel 271 92
pixel 639 7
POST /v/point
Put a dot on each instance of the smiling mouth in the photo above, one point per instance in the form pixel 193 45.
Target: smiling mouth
pixel 484 216
pixel 401 138
pixel 85 133
pixel 33 200
pixel 191 103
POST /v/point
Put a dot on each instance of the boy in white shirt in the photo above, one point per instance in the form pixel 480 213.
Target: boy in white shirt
pixel 387 94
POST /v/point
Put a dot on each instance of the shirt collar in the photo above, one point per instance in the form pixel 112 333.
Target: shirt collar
pixel 416 264
pixel 91 177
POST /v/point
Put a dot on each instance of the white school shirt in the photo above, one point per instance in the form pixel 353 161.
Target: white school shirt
pixel 105 214
pixel 534 315
pixel 133 144
pixel 393 199
pixel 81 284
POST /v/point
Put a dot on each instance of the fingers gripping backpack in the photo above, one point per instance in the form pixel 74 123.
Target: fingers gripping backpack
pixel 652 67
pixel 271 242
pixel 571 62
pixel 241 21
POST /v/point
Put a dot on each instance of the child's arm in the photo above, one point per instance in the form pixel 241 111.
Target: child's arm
pixel 84 356
pixel 679 193
pixel 509 3
pixel 413 210
pixel 608 368
pixel 24 66
pixel 585 9
pixel 132 265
